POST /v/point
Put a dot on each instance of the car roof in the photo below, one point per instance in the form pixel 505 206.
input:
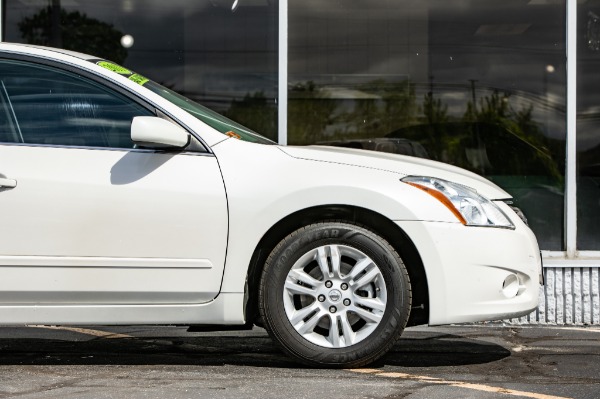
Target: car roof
pixel 80 60
pixel 29 47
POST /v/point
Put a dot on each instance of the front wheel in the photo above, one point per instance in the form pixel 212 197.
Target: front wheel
pixel 335 294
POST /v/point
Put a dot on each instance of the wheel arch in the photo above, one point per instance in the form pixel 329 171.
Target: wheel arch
pixel 373 221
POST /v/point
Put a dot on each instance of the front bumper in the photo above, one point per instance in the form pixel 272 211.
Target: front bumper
pixel 477 273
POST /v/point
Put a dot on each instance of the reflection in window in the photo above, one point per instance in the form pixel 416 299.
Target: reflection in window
pixel 478 84
pixel 588 128
pixel 42 105
pixel 221 57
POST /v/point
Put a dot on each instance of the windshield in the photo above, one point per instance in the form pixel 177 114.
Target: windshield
pixel 206 115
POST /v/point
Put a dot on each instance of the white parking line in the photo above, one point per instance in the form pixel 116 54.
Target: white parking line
pixel 584 329
pixel 459 384
pixel 86 331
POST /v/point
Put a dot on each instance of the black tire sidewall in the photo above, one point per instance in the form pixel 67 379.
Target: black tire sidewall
pixel 300 242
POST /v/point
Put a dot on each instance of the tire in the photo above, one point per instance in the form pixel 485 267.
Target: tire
pixel 334 294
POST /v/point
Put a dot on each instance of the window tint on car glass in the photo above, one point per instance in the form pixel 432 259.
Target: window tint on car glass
pixel 8 130
pixel 45 105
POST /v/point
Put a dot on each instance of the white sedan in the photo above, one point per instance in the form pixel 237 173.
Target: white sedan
pixel 122 202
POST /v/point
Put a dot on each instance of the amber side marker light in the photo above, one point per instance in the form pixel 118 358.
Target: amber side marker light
pixel 443 199
pixel 233 134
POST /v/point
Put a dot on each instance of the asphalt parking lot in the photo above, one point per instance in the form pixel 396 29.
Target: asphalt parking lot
pixel 167 362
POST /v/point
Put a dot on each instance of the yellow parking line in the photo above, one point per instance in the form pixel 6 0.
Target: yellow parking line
pixel 459 384
pixel 86 331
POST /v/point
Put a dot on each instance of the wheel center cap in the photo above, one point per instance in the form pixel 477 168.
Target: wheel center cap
pixel 335 296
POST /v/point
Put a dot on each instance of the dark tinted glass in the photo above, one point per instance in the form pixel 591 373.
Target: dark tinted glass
pixel 220 53
pixel 479 84
pixel 588 126
pixel 44 105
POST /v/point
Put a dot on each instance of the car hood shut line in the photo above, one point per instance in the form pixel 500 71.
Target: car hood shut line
pixel 402 164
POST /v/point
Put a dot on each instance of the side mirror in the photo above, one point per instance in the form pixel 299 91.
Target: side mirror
pixel 154 132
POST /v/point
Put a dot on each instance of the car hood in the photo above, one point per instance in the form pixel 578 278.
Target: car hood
pixel 402 164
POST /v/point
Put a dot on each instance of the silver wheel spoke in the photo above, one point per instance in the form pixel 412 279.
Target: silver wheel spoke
pixel 336 259
pixel 373 303
pixel 310 324
pixel 367 278
pixel 301 314
pixel 366 315
pixel 347 332
pixel 298 289
pixel 302 276
pixel 360 267
pixel 334 331
pixel 323 262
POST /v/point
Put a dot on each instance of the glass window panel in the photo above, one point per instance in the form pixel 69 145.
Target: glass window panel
pixel 50 106
pixel 222 56
pixel 588 126
pixel 479 84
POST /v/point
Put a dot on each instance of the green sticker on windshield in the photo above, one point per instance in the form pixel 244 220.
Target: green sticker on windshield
pixel 139 79
pixel 114 67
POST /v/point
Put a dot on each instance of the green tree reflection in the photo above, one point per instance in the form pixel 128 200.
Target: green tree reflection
pixel 310 112
pixel 434 111
pixel 54 26
pixel 495 110
pixel 479 140
pixel 255 111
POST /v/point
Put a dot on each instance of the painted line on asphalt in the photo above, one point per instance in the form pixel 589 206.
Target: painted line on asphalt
pixel 86 331
pixel 582 329
pixel 458 384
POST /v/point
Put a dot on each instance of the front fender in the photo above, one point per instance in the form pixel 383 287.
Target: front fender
pixel 265 185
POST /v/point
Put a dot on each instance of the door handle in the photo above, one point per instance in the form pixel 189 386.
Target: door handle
pixel 7 183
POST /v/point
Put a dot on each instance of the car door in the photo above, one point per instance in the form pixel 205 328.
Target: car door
pixel 87 218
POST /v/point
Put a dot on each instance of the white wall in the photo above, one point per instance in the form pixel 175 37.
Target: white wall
pixel 569 296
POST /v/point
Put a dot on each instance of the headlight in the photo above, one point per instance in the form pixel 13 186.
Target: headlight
pixel 470 208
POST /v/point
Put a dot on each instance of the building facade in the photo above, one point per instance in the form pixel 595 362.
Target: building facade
pixel 509 90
